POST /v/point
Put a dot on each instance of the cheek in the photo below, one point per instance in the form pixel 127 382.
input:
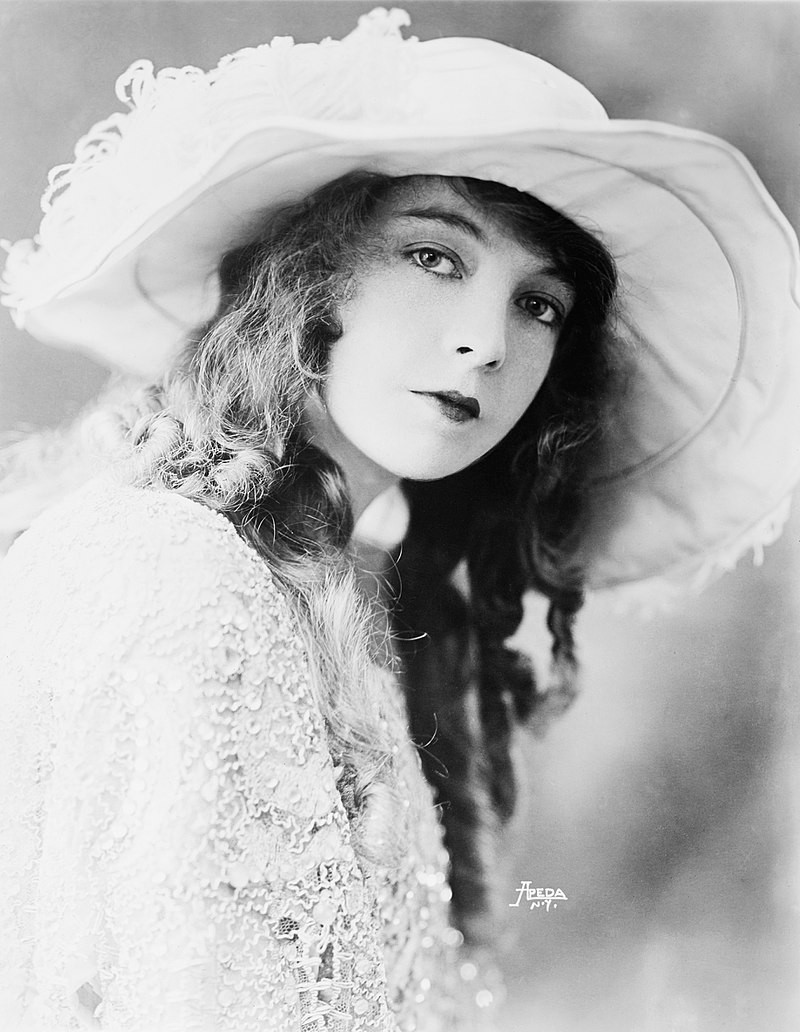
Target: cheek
pixel 385 339
pixel 362 377
pixel 361 365
pixel 525 376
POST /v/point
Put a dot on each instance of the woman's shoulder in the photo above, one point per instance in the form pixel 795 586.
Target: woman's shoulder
pixel 108 541
pixel 115 581
pixel 105 508
pixel 105 515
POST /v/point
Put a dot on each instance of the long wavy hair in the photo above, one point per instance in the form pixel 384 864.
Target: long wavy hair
pixel 480 539
pixel 225 427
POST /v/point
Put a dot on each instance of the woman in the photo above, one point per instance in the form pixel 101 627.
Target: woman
pixel 225 819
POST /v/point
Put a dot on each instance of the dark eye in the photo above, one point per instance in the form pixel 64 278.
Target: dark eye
pixel 542 309
pixel 433 260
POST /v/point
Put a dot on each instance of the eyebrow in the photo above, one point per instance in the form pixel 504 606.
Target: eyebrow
pixel 452 218
pixel 449 218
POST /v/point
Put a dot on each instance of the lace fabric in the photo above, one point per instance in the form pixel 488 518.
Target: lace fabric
pixel 175 852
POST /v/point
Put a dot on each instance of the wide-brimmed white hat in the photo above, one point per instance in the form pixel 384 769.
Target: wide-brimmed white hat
pixel 705 444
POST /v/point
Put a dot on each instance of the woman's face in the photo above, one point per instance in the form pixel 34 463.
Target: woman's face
pixel 448 333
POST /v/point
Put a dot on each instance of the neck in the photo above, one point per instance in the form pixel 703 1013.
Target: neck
pixel 365 478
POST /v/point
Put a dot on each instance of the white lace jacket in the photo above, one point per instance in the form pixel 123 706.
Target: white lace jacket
pixel 175 853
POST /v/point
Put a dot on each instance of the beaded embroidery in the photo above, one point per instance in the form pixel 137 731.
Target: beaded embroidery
pixel 175 850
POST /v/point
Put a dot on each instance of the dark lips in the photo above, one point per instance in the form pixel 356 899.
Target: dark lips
pixel 456 406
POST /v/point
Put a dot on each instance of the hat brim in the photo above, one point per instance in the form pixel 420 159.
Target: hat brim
pixel 712 362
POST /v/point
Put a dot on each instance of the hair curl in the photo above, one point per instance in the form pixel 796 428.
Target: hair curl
pixel 480 539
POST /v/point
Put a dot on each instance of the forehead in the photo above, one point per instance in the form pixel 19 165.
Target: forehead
pixel 431 194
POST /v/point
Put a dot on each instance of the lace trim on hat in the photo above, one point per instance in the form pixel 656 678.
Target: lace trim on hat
pixel 648 598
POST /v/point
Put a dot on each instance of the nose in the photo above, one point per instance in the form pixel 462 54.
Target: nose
pixel 478 333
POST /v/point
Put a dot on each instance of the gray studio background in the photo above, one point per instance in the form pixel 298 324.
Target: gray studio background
pixel 664 805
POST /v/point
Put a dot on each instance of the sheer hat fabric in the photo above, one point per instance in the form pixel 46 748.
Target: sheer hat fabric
pixel 704 446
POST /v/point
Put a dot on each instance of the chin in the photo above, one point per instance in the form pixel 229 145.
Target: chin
pixel 429 476
pixel 432 470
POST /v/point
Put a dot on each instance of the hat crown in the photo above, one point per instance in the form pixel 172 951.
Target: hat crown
pixel 374 75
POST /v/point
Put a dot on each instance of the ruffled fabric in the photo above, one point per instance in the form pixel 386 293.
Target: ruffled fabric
pixel 188 119
pixel 174 851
